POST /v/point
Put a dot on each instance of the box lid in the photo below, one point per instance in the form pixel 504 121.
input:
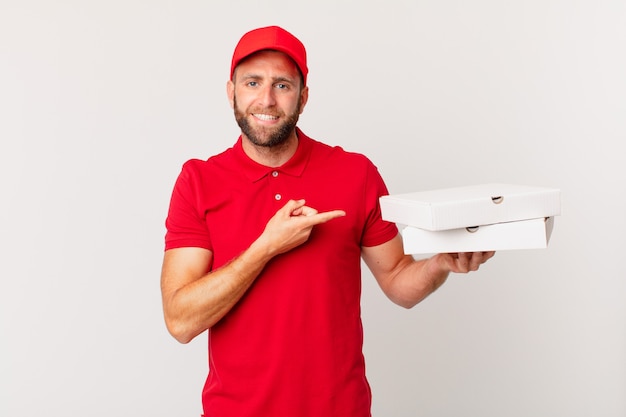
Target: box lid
pixel 451 208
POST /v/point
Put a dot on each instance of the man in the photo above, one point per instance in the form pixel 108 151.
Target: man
pixel 263 248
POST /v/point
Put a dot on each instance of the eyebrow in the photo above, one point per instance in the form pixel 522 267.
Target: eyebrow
pixel 253 76
pixel 285 79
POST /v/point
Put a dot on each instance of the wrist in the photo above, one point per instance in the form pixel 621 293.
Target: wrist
pixel 438 267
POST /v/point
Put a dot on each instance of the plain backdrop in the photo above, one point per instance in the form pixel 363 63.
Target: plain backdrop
pixel 101 102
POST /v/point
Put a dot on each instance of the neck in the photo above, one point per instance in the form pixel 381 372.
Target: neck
pixel 271 156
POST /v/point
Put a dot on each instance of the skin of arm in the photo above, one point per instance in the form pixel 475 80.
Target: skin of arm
pixel 407 281
pixel 195 298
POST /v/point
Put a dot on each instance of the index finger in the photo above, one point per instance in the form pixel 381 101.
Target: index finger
pixel 323 217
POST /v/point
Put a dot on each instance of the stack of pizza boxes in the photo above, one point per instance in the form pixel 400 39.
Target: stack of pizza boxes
pixel 474 218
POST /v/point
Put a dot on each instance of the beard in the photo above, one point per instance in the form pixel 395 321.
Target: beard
pixel 267 137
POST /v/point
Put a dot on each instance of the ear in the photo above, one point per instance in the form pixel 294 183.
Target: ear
pixel 230 92
pixel 304 97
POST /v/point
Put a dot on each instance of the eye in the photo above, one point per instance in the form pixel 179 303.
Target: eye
pixel 282 86
pixel 252 83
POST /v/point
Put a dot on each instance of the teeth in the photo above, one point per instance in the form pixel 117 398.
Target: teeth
pixel 265 116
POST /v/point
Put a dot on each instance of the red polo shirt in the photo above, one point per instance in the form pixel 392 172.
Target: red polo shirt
pixel 292 346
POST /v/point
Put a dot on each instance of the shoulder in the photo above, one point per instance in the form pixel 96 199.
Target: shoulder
pixel 199 167
pixel 196 163
pixel 336 153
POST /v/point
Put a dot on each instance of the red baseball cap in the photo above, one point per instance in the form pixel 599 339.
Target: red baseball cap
pixel 273 38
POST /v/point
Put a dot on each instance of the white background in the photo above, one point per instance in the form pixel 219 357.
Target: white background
pixel 102 101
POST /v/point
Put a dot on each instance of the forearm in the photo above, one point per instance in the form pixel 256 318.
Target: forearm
pixel 404 280
pixel 200 304
pixel 413 281
pixel 407 281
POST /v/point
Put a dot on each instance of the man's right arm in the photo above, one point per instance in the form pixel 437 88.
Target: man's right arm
pixel 195 298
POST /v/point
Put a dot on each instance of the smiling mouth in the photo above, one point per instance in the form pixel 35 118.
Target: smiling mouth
pixel 265 117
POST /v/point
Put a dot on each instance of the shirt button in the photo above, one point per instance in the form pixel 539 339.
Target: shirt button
pixel 278 197
pixel 275 174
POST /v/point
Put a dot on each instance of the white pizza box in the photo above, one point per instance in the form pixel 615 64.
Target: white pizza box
pixel 452 208
pixel 523 234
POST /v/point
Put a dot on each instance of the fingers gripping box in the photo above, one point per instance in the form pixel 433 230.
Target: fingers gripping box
pixel 474 218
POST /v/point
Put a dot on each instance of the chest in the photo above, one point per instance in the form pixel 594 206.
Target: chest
pixel 236 212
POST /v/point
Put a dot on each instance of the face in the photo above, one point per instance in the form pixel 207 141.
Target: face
pixel 267 96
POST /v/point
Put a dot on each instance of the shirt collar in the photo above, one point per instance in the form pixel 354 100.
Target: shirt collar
pixel 294 166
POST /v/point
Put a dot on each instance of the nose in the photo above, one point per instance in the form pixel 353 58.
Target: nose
pixel 266 96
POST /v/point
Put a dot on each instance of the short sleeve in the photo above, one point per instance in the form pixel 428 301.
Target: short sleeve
pixel 377 231
pixel 185 223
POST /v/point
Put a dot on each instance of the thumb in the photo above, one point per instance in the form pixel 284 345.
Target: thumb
pixel 293 207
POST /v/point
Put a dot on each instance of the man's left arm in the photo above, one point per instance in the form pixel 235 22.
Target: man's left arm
pixel 407 281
